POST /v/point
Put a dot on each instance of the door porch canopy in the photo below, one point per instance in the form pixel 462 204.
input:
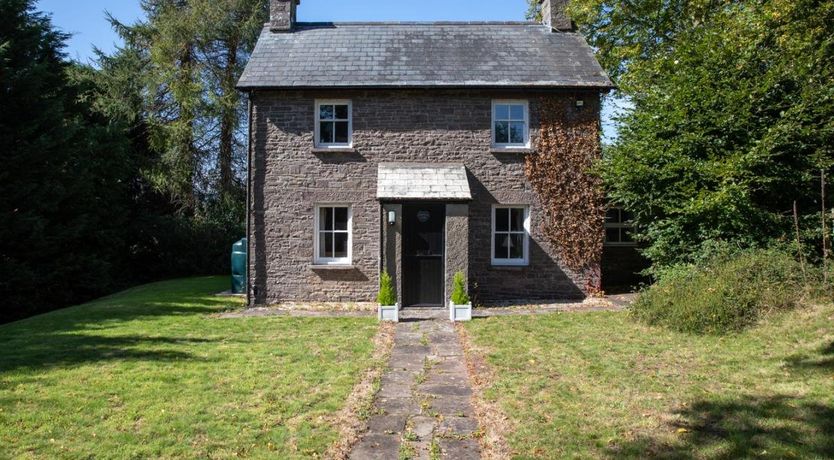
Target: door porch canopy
pixel 423 181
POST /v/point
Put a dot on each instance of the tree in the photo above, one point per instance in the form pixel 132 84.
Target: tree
pixel 226 35
pixel 534 10
pixel 63 181
pixel 733 117
pixel 196 51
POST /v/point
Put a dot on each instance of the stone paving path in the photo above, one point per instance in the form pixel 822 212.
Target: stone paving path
pixel 423 409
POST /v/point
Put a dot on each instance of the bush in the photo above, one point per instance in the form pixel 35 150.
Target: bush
pixel 725 294
pixel 459 295
pixel 386 295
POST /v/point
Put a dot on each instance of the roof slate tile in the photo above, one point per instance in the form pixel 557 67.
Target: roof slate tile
pixel 441 54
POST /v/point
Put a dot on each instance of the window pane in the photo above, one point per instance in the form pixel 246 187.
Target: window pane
pixel 626 235
pixel 627 216
pixel 612 235
pixel 502 219
pixel 342 112
pixel 326 112
pixel 516 246
pixel 502 241
pixel 326 133
pixel 517 132
pixel 502 132
pixel 502 112
pixel 341 245
pixel 612 216
pixel 517 112
pixel 341 218
pixel 341 132
pixel 326 219
pixel 517 219
pixel 326 245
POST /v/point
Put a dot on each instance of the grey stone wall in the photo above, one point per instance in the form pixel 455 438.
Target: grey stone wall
pixel 289 177
pixel 457 243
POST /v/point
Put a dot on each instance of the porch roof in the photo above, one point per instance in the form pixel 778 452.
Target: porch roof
pixel 423 181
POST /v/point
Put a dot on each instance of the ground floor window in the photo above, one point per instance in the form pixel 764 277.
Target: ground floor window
pixel 618 228
pixel 510 235
pixel 333 234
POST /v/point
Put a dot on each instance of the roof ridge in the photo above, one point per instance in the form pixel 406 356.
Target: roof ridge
pixel 420 23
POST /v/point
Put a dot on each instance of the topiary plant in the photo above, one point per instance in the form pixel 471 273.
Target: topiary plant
pixel 459 295
pixel 386 295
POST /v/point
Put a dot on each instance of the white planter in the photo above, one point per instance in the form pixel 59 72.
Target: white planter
pixel 389 313
pixel 460 312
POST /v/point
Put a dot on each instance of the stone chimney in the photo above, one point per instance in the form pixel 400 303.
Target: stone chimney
pixel 555 15
pixel 282 15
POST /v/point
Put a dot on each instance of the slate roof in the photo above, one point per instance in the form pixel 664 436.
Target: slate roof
pixel 435 181
pixel 438 54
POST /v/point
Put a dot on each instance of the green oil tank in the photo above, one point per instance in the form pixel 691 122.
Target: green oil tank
pixel 239 267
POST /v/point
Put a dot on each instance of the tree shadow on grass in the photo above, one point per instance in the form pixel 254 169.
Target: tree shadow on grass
pixel 821 360
pixel 743 428
pixel 67 350
pixel 130 325
pixel 108 313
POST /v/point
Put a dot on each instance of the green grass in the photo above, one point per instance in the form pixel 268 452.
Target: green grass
pixel 150 373
pixel 598 385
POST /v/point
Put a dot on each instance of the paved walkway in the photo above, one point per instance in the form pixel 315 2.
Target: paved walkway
pixel 423 407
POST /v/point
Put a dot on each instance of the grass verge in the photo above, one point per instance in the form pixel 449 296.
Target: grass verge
pixel 597 385
pixel 150 373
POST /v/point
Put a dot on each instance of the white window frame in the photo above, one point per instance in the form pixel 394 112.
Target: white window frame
pixel 511 146
pixel 317 259
pixel 620 226
pixel 511 262
pixel 333 145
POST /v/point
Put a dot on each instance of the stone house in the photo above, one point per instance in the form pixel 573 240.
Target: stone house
pixel 401 147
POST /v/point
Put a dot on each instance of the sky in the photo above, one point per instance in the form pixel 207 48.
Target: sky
pixel 86 21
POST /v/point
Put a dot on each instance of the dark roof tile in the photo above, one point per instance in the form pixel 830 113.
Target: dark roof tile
pixel 450 54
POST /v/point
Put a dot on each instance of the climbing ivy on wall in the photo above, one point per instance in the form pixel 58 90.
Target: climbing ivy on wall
pixel 571 195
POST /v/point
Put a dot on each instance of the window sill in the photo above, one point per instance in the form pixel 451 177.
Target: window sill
pixel 511 150
pixel 331 267
pixel 333 150
pixel 513 268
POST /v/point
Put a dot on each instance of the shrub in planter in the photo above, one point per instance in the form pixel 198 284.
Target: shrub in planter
pixel 388 308
pixel 460 307
pixel 726 294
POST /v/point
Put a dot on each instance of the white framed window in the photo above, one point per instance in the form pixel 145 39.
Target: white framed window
pixel 510 235
pixel 334 123
pixel 334 234
pixel 619 228
pixel 510 124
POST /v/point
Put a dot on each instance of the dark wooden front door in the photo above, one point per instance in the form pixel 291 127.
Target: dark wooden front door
pixel 423 254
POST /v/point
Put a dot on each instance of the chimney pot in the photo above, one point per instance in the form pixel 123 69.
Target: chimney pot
pixel 282 15
pixel 555 15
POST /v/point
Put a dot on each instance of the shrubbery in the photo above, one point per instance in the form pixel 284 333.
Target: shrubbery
pixel 725 294
pixel 386 296
pixel 459 294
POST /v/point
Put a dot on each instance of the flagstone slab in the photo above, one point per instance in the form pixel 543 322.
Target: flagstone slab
pixel 425 393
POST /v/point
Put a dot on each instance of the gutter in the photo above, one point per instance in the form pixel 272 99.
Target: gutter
pixel 519 88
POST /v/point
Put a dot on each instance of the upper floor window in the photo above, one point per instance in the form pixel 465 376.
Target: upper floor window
pixel 510 230
pixel 618 228
pixel 510 124
pixel 334 235
pixel 334 124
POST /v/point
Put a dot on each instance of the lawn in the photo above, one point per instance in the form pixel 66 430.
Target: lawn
pixel 152 373
pixel 598 385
